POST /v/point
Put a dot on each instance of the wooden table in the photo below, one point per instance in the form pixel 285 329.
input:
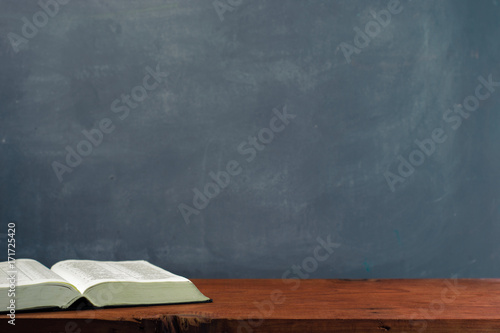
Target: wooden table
pixel 365 306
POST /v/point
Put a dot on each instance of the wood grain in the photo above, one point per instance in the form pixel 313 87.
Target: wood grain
pixel 433 305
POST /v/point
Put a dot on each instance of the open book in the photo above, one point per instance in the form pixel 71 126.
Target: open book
pixel 102 283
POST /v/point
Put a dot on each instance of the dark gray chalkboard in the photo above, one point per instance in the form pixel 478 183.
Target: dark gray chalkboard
pixel 348 138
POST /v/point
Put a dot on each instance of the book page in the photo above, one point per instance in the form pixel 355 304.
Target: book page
pixel 29 271
pixel 86 273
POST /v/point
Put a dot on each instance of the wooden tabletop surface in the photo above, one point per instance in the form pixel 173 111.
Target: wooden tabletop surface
pixel 395 305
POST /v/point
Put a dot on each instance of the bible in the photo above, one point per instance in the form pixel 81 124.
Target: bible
pixel 27 284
